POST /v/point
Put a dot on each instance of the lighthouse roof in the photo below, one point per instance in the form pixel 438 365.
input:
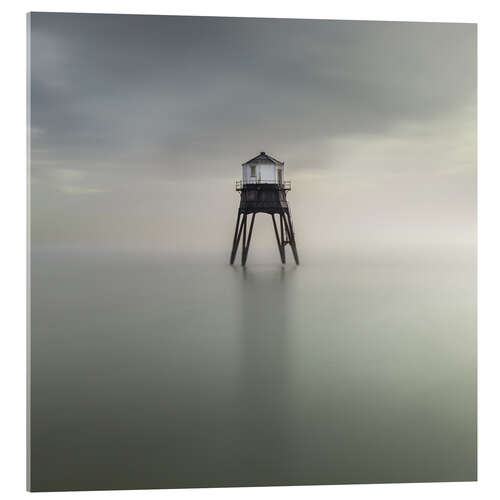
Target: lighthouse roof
pixel 263 158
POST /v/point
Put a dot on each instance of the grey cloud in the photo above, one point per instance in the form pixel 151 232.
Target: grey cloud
pixel 149 88
pixel 137 102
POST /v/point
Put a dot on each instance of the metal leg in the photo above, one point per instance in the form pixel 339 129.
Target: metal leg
pixel 247 246
pixel 236 239
pixel 280 243
pixel 283 242
pixel 291 235
pixel 244 242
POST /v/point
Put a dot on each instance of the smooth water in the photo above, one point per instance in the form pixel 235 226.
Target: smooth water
pixel 153 371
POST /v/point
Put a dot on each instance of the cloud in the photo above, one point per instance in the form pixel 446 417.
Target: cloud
pixel 134 102
pixel 79 190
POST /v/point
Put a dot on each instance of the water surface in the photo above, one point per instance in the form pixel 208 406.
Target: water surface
pixel 153 371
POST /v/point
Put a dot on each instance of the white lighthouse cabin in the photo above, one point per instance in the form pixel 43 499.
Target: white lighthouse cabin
pixel 263 169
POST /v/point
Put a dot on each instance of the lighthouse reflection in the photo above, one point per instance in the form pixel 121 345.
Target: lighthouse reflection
pixel 266 380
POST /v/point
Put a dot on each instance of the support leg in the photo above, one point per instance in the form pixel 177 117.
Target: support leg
pixel 280 242
pixel 236 239
pixel 291 236
pixel 247 246
pixel 244 241
pixel 283 257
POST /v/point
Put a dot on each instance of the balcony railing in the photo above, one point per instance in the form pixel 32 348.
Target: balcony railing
pixel 285 185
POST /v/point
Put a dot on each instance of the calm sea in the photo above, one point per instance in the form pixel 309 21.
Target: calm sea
pixel 154 371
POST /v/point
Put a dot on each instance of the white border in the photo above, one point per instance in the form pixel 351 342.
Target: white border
pixel 13 232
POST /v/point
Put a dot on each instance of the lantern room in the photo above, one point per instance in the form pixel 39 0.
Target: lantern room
pixel 263 169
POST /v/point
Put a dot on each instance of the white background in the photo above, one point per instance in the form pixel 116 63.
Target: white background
pixel 13 233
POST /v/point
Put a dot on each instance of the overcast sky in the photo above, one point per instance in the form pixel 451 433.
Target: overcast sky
pixel 139 125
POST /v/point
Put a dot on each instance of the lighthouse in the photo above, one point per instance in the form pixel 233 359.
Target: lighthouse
pixel 263 188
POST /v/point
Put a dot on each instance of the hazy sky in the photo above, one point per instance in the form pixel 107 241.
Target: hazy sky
pixel 139 125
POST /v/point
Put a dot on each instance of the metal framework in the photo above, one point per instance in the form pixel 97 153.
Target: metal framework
pixel 285 185
pixel 269 199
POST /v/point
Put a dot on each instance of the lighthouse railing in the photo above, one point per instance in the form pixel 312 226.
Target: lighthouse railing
pixel 285 185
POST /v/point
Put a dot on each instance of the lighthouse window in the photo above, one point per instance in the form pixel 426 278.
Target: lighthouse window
pixel 252 171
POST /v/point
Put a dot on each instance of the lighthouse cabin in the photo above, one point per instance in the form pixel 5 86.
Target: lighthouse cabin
pixel 263 169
